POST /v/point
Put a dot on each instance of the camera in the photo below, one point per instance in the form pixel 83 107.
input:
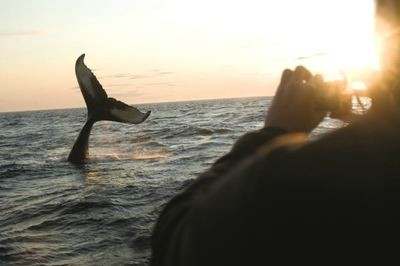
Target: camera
pixel 332 96
pixel 336 96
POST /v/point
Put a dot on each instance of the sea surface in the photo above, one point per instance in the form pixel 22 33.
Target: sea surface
pixel 103 212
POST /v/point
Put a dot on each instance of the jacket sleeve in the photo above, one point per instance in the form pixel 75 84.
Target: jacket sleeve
pixel 171 229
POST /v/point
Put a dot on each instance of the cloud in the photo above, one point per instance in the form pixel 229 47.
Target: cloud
pixel 151 74
pixel 21 33
pixel 132 93
pixel 138 76
pixel 109 86
pixel 116 76
pixel 112 93
pixel 117 85
pixel 159 72
pixel 169 84
pixel 311 56
pixel 155 77
pixel 162 73
pixel 155 73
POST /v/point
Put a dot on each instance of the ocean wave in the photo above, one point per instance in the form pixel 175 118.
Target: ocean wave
pixel 12 123
pixel 47 224
pixel 192 131
pixel 136 155
pixel 151 155
pixel 83 206
pixel 120 222
pixel 12 170
pixel 141 240
pixel 142 139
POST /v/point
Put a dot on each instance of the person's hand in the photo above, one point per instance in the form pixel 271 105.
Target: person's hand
pixel 293 107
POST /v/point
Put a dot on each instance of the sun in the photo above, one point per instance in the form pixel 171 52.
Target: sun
pixel 341 42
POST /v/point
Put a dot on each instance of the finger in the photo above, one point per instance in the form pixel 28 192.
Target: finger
pixel 286 75
pixel 285 78
pixel 301 74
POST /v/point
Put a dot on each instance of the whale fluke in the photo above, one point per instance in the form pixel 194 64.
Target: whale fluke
pixel 100 107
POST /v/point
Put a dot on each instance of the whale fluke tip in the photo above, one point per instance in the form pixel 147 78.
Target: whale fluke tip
pixel 80 58
pixel 146 115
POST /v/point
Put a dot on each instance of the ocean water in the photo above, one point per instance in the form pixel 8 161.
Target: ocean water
pixel 103 212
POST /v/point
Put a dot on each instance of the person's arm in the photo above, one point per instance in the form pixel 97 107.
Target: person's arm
pixel 166 234
pixel 292 111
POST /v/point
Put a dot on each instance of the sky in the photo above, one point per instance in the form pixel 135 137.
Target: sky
pixel 174 50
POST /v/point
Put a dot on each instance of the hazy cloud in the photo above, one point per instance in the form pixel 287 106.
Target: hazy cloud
pixel 21 33
pixel 162 73
pixel 169 84
pixel 118 76
pixel 138 76
pixel 117 85
pixel 155 73
pixel 107 86
pixel 311 56
pixel 132 93
pixel 119 93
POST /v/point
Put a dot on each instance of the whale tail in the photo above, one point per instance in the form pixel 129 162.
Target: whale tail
pixel 100 107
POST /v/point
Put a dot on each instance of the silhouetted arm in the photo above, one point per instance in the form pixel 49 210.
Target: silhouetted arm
pixel 206 216
pixel 169 231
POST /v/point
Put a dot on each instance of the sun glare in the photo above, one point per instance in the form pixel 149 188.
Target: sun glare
pixel 358 86
pixel 343 41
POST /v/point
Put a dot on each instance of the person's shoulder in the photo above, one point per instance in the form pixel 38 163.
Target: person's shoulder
pixel 368 147
pixel 365 138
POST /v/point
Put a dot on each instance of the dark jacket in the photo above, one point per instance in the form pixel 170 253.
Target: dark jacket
pixel 272 198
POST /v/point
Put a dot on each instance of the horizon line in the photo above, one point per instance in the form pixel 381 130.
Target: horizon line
pixel 142 103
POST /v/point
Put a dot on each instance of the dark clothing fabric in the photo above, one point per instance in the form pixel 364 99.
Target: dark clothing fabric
pixel 273 197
